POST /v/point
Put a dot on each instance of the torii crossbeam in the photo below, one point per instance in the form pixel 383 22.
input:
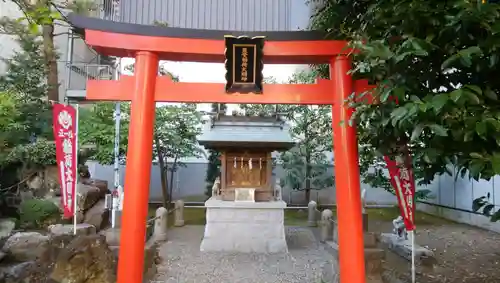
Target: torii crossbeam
pixel 149 44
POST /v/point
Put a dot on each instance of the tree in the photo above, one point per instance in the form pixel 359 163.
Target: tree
pixel 260 109
pixel 42 18
pixel 213 168
pixel 96 131
pixel 438 60
pixel 176 130
pixel 26 123
pixel 24 78
pixel 305 165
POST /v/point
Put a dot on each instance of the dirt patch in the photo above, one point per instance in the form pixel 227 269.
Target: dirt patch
pixel 464 253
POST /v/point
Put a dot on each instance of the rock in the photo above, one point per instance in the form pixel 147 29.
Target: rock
pixel 36 271
pixel 16 272
pixel 402 247
pixel 26 246
pixel 151 260
pixel 88 196
pixel 6 227
pixel 51 178
pixel 79 217
pixel 2 255
pixel 67 229
pixel 56 244
pixel 112 236
pixel 26 195
pixel 57 201
pixel 98 216
pixel 86 259
pixel 330 272
pixel 101 184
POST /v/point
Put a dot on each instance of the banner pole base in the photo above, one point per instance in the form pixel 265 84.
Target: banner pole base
pixel 413 271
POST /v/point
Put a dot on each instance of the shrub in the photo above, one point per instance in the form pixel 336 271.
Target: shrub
pixel 38 213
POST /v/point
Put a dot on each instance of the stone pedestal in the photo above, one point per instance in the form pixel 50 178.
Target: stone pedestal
pixel 374 257
pixel 244 227
pixel 365 222
pixel 402 247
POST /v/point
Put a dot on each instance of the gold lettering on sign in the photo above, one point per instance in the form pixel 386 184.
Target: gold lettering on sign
pixel 244 64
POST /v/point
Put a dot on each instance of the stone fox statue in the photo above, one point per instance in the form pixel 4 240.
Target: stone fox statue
pixel 216 187
pixel 399 228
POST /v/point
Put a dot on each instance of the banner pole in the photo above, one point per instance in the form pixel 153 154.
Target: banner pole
pixel 75 198
pixel 413 272
pixel 115 199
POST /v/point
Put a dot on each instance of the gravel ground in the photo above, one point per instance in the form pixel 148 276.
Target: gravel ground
pixel 464 254
pixel 184 263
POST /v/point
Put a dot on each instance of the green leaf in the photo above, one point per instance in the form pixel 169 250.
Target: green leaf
pixel 495 163
pixel 33 28
pixel 385 95
pixel 478 203
pixel 490 94
pixel 475 168
pixel 439 130
pixel 493 60
pixel 450 61
pixel 475 88
pixel 476 155
pixel 417 132
pixel 473 98
pixel 468 136
pixel 495 217
pixel 398 113
pixel 487 209
pixel 416 99
pixel 481 128
pixel 471 51
pixel 456 94
pixel 56 15
pixel 438 101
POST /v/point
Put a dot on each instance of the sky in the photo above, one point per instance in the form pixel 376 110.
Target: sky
pixel 214 73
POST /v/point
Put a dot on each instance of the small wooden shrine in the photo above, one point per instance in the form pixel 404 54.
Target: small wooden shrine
pixel 245 212
pixel 246 144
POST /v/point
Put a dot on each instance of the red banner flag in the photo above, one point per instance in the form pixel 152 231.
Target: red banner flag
pixel 64 120
pixel 403 182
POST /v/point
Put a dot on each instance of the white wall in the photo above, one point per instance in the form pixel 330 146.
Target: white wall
pixel 460 194
pixel 7 42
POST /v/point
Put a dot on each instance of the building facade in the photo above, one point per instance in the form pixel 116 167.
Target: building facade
pixel 231 15
pixel 78 62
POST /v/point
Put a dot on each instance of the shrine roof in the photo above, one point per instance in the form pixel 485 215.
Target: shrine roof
pixel 246 131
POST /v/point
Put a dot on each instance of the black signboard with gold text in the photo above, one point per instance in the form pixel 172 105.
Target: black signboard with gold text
pixel 244 64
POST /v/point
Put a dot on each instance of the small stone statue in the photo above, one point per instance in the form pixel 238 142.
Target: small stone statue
pixel 216 187
pixel 399 228
pixel 277 190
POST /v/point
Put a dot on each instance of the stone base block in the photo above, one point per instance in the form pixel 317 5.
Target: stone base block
pixel 373 265
pixel 402 247
pixel 68 229
pixel 244 227
pixel 365 222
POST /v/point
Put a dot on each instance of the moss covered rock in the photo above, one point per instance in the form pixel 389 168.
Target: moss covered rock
pixel 38 213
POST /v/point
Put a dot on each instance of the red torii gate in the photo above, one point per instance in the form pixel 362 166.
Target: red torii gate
pixel 149 44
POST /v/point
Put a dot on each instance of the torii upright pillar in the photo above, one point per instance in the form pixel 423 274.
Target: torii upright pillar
pixel 138 170
pixel 348 184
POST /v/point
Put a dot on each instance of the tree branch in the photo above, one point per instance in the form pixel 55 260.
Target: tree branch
pixel 61 33
pixel 23 6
